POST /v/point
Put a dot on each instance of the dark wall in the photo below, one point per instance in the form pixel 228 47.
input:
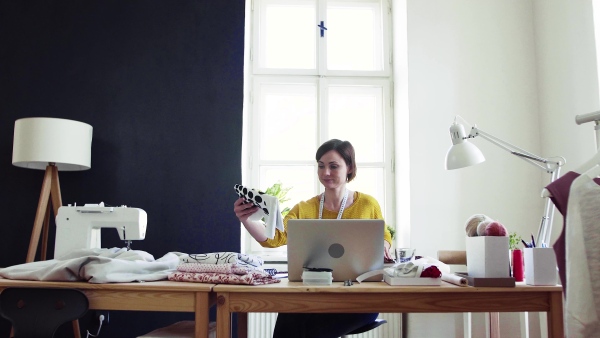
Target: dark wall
pixel 161 83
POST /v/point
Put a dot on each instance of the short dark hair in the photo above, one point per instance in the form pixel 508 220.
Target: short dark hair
pixel 345 149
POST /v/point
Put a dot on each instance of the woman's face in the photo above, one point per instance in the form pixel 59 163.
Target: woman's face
pixel 332 170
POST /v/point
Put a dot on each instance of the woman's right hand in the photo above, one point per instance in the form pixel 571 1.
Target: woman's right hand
pixel 243 210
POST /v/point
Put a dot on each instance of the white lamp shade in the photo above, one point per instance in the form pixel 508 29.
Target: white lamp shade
pixel 39 141
pixel 462 155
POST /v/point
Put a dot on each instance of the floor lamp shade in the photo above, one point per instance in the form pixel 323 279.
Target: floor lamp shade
pixel 50 144
pixel 40 140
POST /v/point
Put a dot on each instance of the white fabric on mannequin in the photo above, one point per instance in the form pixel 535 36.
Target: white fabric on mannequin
pixel 582 305
pixel 589 164
pixel 592 172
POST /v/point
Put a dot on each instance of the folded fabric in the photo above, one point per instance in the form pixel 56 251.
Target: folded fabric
pixel 97 266
pixel 222 258
pixel 408 269
pixel 415 267
pixel 252 278
pixel 218 268
pixel 269 208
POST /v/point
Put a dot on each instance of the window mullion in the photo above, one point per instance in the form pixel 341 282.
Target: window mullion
pixel 323 115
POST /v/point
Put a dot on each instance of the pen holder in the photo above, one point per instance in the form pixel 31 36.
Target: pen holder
pixel 540 266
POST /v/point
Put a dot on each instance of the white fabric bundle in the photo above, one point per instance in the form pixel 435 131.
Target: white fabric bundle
pixel 97 266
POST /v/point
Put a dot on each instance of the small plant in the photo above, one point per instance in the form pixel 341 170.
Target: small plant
pixel 513 241
pixel 277 190
pixel 392 230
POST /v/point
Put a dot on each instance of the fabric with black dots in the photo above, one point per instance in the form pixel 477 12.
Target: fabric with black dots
pixel 268 208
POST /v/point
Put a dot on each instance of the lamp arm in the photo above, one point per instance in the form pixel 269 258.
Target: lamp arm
pixel 548 165
pixel 551 167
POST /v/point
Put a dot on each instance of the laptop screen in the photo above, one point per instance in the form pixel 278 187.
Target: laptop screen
pixel 350 247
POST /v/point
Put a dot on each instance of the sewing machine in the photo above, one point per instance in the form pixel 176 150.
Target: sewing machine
pixel 78 227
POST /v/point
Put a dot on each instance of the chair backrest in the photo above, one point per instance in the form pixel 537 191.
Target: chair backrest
pixel 38 312
pixel 452 257
pixel 458 257
pixel 365 328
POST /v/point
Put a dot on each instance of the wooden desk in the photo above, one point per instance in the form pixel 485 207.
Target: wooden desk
pixel 380 297
pixel 148 296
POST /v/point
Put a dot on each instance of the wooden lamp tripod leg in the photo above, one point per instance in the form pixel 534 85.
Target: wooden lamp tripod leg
pixel 50 189
pixel 40 214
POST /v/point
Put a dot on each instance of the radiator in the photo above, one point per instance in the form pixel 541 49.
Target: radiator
pixel 260 325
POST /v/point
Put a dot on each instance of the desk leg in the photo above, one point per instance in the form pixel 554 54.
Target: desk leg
pixel 494 324
pixel 223 316
pixel 555 316
pixel 202 307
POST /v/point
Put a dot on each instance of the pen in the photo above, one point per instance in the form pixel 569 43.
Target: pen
pixel 532 241
pixel 525 243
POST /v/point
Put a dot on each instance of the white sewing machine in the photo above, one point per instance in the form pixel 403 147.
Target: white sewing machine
pixel 78 227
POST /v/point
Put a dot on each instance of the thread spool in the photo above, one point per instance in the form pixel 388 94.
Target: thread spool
pixel 517 265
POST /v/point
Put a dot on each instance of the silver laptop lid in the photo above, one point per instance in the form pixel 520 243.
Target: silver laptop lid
pixel 350 247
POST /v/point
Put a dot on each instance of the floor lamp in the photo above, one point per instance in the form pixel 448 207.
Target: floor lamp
pixel 53 145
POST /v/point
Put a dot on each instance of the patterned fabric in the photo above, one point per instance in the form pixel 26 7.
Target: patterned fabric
pixel 221 268
pixel 269 208
pixel 218 268
pixel 222 258
pixel 252 278
pixel 253 196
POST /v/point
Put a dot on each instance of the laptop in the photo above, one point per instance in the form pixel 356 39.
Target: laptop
pixel 350 247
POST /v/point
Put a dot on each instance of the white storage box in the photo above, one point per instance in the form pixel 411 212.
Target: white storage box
pixel 317 277
pixel 540 266
pixel 411 280
pixel 488 257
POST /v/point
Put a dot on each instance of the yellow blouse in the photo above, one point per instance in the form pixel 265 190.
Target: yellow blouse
pixel 364 207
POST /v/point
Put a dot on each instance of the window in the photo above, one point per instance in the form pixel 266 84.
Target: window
pixel 318 69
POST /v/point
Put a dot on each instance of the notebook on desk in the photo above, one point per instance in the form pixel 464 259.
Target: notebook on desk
pixel 350 247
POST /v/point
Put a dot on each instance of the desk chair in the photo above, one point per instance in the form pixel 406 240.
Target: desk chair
pixel 378 322
pixel 39 312
pixel 181 329
pixel 460 258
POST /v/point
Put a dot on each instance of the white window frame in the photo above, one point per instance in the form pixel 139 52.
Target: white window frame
pixel 254 76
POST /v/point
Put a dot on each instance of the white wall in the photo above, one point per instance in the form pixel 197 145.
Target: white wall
pixel 568 81
pixel 476 60
pixel 520 70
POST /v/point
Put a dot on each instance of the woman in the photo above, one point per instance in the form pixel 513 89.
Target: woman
pixel 337 167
